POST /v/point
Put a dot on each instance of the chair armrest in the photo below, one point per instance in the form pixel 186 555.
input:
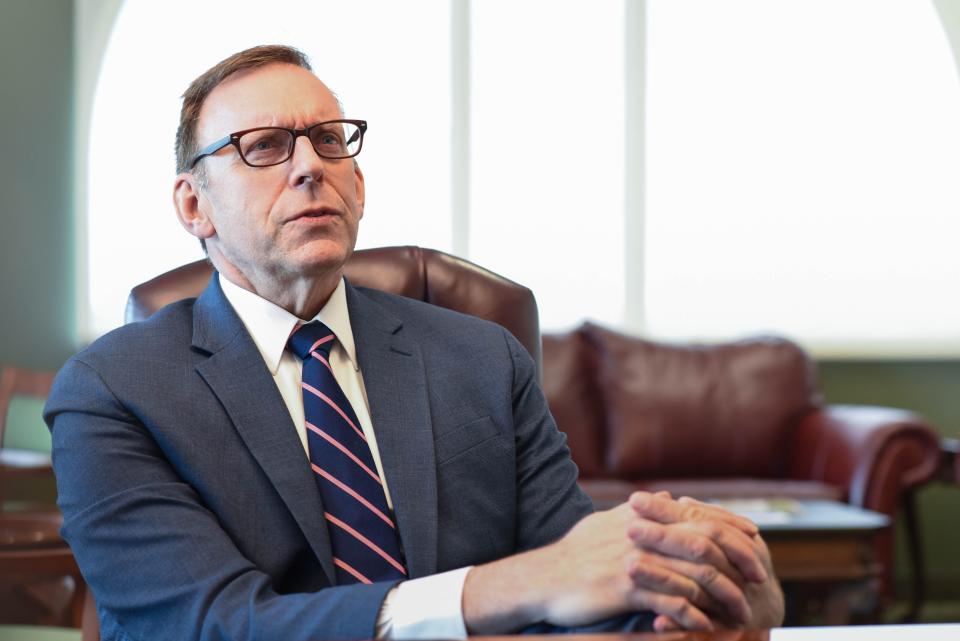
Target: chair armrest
pixel 875 453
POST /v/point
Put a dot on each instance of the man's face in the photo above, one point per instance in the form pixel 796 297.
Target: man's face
pixel 275 224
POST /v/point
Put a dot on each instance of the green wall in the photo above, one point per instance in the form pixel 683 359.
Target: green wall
pixel 931 388
pixel 36 260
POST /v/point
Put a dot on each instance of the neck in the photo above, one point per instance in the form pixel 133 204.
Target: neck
pixel 303 296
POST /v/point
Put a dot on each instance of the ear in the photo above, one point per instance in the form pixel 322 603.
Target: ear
pixel 358 185
pixel 186 200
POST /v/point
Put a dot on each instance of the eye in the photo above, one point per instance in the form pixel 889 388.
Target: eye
pixel 265 141
pixel 328 139
pixel 264 145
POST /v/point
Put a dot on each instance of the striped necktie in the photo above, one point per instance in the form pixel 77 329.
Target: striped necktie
pixel 363 534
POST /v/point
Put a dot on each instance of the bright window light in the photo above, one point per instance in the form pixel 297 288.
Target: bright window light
pixel 802 160
pixel 396 78
pixel 547 116
pixel 800 156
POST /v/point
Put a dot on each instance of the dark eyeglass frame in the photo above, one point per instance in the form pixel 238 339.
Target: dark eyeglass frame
pixel 234 139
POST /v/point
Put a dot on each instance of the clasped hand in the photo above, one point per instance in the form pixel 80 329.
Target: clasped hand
pixel 698 566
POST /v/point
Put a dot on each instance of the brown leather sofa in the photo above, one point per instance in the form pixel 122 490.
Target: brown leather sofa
pixel 743 419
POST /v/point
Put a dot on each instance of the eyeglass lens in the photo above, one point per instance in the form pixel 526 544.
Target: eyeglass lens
pixel 272 146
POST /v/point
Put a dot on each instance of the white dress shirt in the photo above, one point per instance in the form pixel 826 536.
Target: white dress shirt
pixel 424 608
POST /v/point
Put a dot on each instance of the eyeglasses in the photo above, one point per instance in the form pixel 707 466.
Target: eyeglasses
pixel 267 146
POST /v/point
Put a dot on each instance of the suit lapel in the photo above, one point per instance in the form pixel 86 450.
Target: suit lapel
pixel 237 375
pixel 395 380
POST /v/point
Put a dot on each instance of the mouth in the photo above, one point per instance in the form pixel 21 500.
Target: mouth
pixel 319 212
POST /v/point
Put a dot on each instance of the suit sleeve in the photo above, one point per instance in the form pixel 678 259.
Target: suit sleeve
pixel 159 564
pixel 549 501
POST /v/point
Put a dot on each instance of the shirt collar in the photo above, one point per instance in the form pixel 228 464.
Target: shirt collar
pixel 270 325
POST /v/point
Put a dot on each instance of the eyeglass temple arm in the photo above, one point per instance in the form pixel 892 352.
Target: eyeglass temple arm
pixel 212 148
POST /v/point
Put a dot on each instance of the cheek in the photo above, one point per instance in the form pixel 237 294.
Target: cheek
pixel 252 205
pixel 238 215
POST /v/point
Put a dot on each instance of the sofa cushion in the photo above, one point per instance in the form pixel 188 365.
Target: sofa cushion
pixel 571 390
pixel 700 411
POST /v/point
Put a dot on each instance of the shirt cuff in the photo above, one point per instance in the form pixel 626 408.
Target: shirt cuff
pixel 426 608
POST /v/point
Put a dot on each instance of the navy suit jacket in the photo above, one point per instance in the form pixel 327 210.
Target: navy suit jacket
pixel 189 502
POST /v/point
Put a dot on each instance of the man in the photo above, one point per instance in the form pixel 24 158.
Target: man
pixel 195 452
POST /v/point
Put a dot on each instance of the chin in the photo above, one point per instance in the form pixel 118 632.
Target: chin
pixel 321 263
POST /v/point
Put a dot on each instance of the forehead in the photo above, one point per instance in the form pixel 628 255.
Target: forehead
pixel 276 94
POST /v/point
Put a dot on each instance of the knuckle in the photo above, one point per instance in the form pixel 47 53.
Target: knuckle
pixel 695 512
pixel 661 580
pixel 656 533
pixel 712 529
pixel 699 548
pixel 708 575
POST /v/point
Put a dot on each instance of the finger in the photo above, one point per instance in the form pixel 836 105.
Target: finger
pixel 647 574
pixel 678 609
pixel 695 508
pixel 665 510
pixel 682 541
pixel 663 623
pixel 703 585
pixel 739 548
pixel 725 547
pixel 656 507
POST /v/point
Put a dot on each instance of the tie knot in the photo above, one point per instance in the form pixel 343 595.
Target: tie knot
pixel 312 337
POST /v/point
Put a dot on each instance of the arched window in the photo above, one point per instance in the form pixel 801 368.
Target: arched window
pixel 680 168
pixel 802 173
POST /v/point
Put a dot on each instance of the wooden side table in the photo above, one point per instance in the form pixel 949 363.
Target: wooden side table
pixel 824 555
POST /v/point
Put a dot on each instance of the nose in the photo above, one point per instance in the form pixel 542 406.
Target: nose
pixel 306 165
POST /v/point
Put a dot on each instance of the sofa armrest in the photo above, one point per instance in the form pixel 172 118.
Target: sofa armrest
pixel 875 453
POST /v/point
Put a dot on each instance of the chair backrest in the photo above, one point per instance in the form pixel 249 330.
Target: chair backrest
pixel 424 274
pixel 16 381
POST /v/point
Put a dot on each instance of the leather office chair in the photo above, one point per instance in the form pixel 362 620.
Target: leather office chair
pixel 424 274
